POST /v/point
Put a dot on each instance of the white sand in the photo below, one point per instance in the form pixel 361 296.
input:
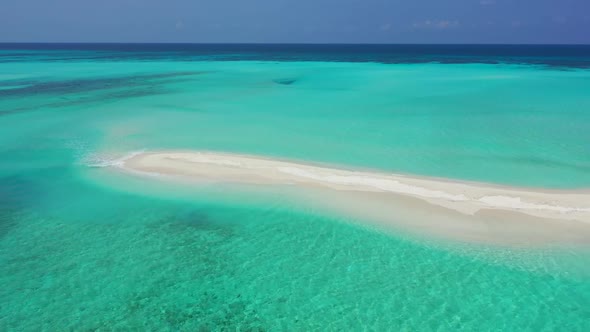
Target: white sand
pixel 467 199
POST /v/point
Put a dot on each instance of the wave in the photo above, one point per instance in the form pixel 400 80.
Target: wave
pixel 103 160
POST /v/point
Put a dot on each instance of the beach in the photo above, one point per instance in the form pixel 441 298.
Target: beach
pixel 479 211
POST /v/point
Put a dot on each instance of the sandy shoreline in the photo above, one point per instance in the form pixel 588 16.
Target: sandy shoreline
pixel 560 211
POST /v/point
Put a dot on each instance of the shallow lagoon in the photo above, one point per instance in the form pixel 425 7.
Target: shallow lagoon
pixel 79 252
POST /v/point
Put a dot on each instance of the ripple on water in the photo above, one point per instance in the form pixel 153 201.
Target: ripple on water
pixel 213 267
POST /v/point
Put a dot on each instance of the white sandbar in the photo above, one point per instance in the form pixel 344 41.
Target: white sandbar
pixel 466 198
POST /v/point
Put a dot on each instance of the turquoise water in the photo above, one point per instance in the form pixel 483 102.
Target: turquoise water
pixel 83 248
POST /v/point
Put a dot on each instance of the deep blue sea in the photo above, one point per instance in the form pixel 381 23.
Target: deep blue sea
pixel 574 56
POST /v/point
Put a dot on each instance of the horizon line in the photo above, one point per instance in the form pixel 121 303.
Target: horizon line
pixel 291 43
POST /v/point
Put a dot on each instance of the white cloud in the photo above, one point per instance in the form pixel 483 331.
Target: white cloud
pixel 385 26
pixel 436 24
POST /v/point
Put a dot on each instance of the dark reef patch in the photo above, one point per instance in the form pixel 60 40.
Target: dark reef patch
pixel 16 194
pixel 285 81
pixel 196 220
pixel 84 92
pixel 101 98
pixel 30 88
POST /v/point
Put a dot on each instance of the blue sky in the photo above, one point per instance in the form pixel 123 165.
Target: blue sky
pixel 296 21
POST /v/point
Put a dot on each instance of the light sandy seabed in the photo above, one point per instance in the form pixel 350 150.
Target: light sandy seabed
pixel 466 211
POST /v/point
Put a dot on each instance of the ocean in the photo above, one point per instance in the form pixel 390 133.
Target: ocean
pixel 85 248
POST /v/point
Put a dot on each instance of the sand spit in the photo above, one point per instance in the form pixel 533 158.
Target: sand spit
pixel 479 200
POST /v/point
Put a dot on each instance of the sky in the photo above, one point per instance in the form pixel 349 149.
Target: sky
pixel 297 21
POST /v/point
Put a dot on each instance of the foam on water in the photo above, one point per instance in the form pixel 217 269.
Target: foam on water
pixel 519 203
pixel 395 186
pixel 377 183
pixel 104 160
